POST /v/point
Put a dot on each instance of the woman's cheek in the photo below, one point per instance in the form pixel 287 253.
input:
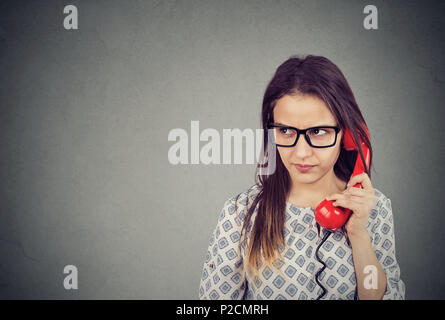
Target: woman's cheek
pixel 285 157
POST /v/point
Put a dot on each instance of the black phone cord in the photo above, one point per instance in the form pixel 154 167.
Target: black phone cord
pixel 325 237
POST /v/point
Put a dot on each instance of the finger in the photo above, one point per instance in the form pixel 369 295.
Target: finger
pixel 350 191
pixel 350 202
pixel 357 199
pixel 363 179
pixel 345 198
pixel 346 204
pixel 356 191
pixel 360 195
pixel 350 197
pixel 356 179
pixel 365 194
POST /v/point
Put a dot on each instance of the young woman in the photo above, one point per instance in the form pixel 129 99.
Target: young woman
pixel 276 258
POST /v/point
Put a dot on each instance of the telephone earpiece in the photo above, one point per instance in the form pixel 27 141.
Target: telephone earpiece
pixel 326 214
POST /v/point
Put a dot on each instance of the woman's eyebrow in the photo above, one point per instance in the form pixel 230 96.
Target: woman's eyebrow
pixel 317 125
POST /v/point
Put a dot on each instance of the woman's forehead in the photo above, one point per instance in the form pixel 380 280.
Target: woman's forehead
pixel 302 111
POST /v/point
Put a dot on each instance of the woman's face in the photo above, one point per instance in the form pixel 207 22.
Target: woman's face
pixel 304 111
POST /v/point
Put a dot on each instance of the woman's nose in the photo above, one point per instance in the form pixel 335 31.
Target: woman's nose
pixel 302 147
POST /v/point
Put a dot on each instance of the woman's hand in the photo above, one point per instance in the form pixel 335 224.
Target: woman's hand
pixel 360 201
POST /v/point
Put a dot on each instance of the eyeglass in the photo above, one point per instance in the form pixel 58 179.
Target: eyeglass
pixel 316 137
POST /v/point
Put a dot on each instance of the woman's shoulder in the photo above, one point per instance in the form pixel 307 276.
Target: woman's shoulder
pixel 382 207
pixel 241 202
pixel 243 198
pixel 380 198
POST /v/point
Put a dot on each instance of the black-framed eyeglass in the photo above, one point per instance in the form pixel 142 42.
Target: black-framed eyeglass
pixel 316 137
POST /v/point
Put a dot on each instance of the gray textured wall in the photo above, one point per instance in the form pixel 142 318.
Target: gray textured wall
pixel 85 116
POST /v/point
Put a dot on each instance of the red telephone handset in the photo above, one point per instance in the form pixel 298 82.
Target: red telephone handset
pixel 326 214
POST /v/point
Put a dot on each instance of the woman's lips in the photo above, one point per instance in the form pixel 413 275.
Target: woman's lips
pixel 303 169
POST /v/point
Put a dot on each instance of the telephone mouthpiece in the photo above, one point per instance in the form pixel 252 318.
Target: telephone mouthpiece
pixel 330 217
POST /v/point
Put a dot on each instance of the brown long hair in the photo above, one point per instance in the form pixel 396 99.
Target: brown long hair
pixel 317 76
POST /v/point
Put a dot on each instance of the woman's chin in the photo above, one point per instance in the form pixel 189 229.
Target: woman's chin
pixel 304 178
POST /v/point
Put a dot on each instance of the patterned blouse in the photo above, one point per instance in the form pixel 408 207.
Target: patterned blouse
pixel 222 271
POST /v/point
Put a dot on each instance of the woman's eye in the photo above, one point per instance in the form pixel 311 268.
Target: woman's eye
pixel 317 131
pixel 286 131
